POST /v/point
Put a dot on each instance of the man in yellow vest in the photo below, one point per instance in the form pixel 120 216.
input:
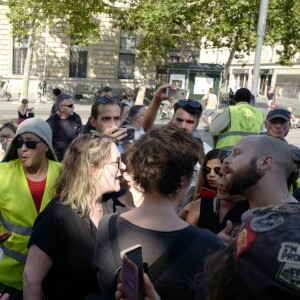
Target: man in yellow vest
pixel 236 121
pixel 27 174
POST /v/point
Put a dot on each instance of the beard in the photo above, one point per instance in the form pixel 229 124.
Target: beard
pixel 246 177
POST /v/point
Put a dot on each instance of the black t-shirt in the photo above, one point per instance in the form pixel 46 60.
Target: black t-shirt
pixel 69 240
pixel 64 131
pixel 53 109
pixel 176 281
pixel 88 126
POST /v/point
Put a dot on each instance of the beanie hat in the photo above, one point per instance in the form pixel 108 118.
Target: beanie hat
pixel 33 125
pixel 267 251
pixel 242 94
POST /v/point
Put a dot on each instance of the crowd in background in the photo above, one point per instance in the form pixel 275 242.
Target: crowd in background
pixel 214 222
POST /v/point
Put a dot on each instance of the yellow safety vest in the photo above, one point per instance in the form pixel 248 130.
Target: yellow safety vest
pixel 244 120
pixel 17 215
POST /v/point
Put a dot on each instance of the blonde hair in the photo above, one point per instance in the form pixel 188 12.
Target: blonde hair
pixel 74 185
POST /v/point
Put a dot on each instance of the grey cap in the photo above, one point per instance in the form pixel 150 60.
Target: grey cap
pixel 33 125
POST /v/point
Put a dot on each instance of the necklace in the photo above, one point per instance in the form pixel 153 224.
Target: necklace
pixel 285 198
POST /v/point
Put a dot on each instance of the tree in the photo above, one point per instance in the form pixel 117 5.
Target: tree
pixel 77 19
pixel 162 26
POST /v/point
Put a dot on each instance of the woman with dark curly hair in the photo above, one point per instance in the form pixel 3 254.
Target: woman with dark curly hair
pixel 161 165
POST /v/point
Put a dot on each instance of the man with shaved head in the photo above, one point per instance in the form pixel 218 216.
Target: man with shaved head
pixel 258 168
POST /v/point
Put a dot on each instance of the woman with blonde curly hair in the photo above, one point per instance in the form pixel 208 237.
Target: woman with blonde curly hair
pixel 63 237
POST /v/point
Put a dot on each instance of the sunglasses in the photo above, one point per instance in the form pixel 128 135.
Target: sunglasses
pixel 206 170
pixel 104 100
pixel 70 105
pixel 191 103
pixel 29 144
pixel 131 96
pixel 117 163
pixel 96 134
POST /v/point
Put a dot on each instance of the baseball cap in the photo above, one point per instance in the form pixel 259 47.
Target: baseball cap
pixel 279 113
pixel 40 128
pixel 267 251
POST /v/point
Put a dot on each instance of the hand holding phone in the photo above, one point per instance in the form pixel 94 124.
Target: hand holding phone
pixel 178 94
pixel 132 273
pixel 130 134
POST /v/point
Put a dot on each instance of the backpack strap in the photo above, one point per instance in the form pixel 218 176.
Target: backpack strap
pixel 112 231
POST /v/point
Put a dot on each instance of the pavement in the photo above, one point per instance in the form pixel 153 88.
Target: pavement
pixel 8 113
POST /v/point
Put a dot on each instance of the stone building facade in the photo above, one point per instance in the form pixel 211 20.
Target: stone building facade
pixel 285 80
pixel 82 71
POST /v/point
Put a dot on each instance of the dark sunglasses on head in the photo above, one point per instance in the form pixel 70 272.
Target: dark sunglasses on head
pixel 191 103
pixel 29 144
pixel 104 100
pixel 206 170
pixel 69 105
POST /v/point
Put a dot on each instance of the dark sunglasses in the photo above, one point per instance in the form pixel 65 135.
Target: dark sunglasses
pixel 104 100
pixel 29 144
pixel 96 134
pixel 130 96
pixel 191 103
pixel 70 105
pixel 206 170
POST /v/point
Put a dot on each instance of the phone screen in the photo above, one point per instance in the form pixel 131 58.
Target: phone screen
pixel 133 255
pixel 130 134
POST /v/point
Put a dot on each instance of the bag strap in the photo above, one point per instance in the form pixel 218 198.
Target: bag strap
pixel 167 259
pixel 112 231
pixel 173 253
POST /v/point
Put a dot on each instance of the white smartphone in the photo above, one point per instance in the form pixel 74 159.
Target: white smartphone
pixel 178 94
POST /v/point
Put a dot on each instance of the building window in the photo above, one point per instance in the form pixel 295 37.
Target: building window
pixel 127 55
pixel 78 61
pixel 19 55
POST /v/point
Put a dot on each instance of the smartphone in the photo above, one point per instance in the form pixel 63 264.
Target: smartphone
pixel 132 273
pixel 179 94
pixel 207 193
pixel 130 134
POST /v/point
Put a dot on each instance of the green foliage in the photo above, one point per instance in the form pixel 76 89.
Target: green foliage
pixel 75 18
pixel 171 24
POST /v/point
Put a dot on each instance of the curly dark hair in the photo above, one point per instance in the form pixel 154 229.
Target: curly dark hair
pixel 163 160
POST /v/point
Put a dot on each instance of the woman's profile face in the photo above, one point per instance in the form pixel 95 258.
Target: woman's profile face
pixel 211 172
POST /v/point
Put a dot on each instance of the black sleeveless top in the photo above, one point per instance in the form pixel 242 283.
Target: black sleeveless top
pixel 209 215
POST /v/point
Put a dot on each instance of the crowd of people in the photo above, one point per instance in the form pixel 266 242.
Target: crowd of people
pixel 214 222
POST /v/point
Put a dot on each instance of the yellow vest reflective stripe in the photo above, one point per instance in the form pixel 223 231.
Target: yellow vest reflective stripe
pixel 14 254
pixel 244 120
pixel 25 230
pixel 18 213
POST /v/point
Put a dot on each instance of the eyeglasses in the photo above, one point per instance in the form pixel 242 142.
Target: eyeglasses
pixel 4 138
pixel 206 170
pixel 70 105
pixel 118 163
pixel 191 103
pixel 131 96
pixel 104 100
pixel 29 144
